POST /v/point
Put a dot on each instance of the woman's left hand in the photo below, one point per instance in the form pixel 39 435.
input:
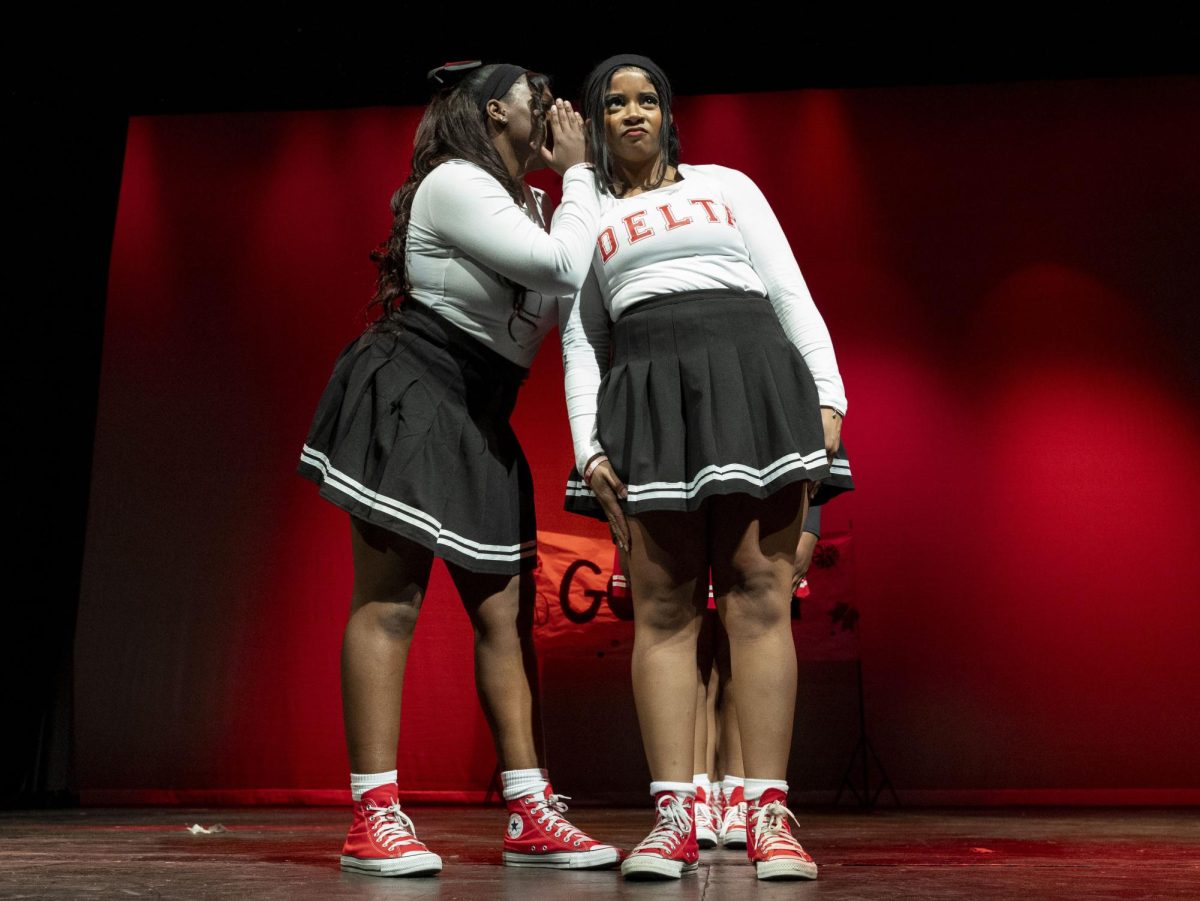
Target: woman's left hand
pixel 831 421
pixel 608 487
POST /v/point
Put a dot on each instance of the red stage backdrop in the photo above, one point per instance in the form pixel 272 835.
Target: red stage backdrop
pixel 1010 275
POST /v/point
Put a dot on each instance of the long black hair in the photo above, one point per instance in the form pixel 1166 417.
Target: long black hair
pixel 594 91
pixel 454 127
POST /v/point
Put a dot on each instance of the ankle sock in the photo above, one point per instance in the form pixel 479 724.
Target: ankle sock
pixel 360 783
pixel 755 787
pixel 519 783
pixel 680 788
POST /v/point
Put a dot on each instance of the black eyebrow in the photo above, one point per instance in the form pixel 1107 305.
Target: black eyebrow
pixel 614 95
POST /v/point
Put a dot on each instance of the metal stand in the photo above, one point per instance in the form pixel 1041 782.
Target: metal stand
pixel 862 759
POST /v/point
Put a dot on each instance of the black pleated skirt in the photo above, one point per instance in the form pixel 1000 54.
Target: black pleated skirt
pixel 412 434
pixel 707 396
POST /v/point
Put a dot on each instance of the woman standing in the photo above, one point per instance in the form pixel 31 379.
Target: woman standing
pixel 719 413
pixel 412 438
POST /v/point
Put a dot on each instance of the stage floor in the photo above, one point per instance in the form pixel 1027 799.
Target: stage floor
pixel 291 853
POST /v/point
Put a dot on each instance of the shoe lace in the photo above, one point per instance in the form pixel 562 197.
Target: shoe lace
pixel 704 816
pixel 549 812
pixel 390 825
pixel 735 815
pixel 772 832
pixel 673 826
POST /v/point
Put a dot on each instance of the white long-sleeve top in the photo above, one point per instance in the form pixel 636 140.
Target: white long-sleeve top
pixel 712 229
pixel 465 231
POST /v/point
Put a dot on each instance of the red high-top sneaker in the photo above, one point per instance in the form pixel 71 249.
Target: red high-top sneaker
pixel 670 850
pixel 733 821
pixel 538 835
pixel 716 800
pixel 702 810
pixel 382 840
pixel 770 845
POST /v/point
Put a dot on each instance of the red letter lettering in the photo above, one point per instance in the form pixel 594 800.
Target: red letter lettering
pixel 729 216
pixel 637 227
pixel 607 242
pixel 707 204
pixel 671 221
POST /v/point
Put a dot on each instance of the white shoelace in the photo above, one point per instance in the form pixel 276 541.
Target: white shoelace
pixel 673 827
pixel 550 817
pixel 704 816
pixel 391 826
pixel 735 815
pixel 769 832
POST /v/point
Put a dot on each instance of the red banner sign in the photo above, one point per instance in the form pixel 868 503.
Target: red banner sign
pixel 577 611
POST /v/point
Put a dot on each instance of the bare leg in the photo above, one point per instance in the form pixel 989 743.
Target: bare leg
pixel 668 572
pixel 700 731
pixel 501 613
pixel 712 727
pixel 754 547
pixel 730 748
pixel 390 578
pixel 704 669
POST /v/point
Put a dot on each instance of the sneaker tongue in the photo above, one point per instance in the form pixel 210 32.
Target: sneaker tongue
pixel 773 794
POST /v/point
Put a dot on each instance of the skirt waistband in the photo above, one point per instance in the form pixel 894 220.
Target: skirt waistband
pixel 666 300
pixel 417 317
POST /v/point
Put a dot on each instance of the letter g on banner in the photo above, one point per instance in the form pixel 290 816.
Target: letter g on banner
pixel 564 594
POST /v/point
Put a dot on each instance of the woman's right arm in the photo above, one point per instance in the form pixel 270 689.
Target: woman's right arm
pixel 585 331
pixel 472 211
pixel 585 338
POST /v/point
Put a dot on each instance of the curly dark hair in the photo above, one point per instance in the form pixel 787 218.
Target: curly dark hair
pixel 593 110
pixel 453 127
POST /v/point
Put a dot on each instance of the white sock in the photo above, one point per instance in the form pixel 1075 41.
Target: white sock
pixel 519 783
pixel 755 787
pixel 700 780
pixel 729 783
pixel 360 783
pixel 680 788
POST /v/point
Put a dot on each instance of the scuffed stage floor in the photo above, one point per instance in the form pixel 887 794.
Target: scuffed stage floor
pixel 291 853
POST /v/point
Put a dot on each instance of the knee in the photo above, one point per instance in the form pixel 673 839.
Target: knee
pixel 396 620
pixel 758 603
pixel 504 619
pixel 663 614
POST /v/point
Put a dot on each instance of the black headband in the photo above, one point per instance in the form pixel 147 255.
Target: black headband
pixel 499 83
pixel 605 69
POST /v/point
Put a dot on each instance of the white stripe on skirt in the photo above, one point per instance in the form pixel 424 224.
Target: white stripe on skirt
pixel 504 552
pixel 729 472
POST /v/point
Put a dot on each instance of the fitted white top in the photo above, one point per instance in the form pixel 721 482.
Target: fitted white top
pixel 465 232
pixel 712 229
